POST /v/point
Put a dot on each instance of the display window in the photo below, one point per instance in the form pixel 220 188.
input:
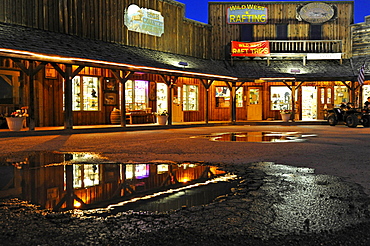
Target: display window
pixel 280 98
pixel 85 93
pixel 341 95
pixel 161 97
pixel 85 175
pixel 365 94
pixel 136 94
pixel 190 97
pixel 223 97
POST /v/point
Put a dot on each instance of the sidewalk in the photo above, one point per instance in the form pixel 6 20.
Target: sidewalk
pixel 59 130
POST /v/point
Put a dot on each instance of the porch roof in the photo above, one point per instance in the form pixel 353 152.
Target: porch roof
pixel 318 70
pixel 34 44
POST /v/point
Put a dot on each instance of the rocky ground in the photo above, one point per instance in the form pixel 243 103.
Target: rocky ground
pixel 272 205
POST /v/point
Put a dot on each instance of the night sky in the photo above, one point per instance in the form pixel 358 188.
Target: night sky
pixel 198 9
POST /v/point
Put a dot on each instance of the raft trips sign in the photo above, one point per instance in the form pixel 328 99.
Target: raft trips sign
pixel 250 49
pixel 144 20
pixel 247 14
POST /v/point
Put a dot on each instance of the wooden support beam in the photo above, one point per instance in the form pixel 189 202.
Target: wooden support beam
pixel 170 81
pixel 207 84
pixel 68 76
pixel 122 80
pixel 31 71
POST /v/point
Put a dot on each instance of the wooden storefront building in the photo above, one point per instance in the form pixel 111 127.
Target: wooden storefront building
pixel 71 62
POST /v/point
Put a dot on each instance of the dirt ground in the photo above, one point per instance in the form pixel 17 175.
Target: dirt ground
pixel 333 152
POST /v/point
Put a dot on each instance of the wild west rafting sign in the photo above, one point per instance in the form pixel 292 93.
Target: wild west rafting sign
pixel 247 14
pixel 250 49
pixel 144 20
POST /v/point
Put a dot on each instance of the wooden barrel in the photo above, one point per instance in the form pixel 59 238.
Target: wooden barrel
pixel 115 117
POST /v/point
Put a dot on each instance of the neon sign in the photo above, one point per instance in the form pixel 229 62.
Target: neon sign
pixel 247 14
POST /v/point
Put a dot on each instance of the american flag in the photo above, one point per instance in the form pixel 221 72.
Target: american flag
pixel 361 75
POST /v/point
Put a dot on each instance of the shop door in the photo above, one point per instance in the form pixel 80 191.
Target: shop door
pixel 325 101
pixel 177 113
pixel 254 104
pixel 309 103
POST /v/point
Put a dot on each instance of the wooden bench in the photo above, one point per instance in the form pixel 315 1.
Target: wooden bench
pixel 139 117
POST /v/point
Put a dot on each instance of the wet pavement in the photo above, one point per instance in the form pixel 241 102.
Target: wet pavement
pixel 273 203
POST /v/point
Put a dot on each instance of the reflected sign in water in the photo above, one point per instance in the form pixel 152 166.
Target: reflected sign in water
pixel 263 137
pixel 60 181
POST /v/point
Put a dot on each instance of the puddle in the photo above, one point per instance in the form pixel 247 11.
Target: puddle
pixel 62 181
pixel 261 137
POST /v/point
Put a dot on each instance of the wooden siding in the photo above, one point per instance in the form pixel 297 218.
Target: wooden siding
pixel 278 12
pixel 361 38
pixel 104 20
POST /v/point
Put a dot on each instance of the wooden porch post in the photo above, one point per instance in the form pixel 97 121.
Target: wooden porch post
pixel 122 80
pixel 207 85
pixel 293 101
pixel 68 76
pixel 232 89
pixel 68 112
pixel 170 82
pixel 31 71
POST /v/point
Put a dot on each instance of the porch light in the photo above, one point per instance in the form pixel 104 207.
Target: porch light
pixel 287 78
pixel 295 70
pixel 184 64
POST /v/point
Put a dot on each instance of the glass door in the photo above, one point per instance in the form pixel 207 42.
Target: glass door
pixel 309 103
pixel 325 101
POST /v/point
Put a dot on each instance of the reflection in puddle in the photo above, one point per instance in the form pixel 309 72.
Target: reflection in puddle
pixel 62 181
pixel 258 137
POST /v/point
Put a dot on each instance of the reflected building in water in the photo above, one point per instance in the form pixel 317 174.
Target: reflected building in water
pixel 61 181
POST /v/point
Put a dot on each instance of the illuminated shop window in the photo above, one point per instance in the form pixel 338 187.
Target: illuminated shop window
pixel 341 95
pixel 365 94
pixel 190 97
pixel 85 175
pixel 223 97
pixel 138 171
pixel 161 97
pixel 280 98
pixel 85 93
pixel 136 94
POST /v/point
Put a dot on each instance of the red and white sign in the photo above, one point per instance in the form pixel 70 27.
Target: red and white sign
pixel 250 48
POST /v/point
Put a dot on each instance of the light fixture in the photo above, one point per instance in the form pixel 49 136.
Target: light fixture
pixel 295 70
pixel 184 64
pixel 287 78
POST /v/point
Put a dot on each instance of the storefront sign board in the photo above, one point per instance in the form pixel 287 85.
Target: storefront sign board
pixel 324 56
pixel 144 20
pixel 250 49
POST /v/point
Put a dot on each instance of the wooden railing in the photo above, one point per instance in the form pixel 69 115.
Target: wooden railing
pixel 305 46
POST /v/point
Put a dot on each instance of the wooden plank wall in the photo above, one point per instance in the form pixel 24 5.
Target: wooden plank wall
pixel 104 20
pixel 361 38
pixel 278 12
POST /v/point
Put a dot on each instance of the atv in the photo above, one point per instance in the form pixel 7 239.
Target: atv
pixel 350 116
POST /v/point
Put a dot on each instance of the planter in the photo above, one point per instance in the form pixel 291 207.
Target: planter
pixel 15 123
pixel 162 119
pixel 285 117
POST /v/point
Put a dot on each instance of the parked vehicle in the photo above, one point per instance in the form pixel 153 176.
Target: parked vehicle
pixel 349 116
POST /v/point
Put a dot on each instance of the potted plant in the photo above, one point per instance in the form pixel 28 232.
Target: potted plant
pixel 285 115
pixel 16 120
pixel 162 118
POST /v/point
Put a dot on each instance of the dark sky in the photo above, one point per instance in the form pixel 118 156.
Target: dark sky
pixel 198 9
